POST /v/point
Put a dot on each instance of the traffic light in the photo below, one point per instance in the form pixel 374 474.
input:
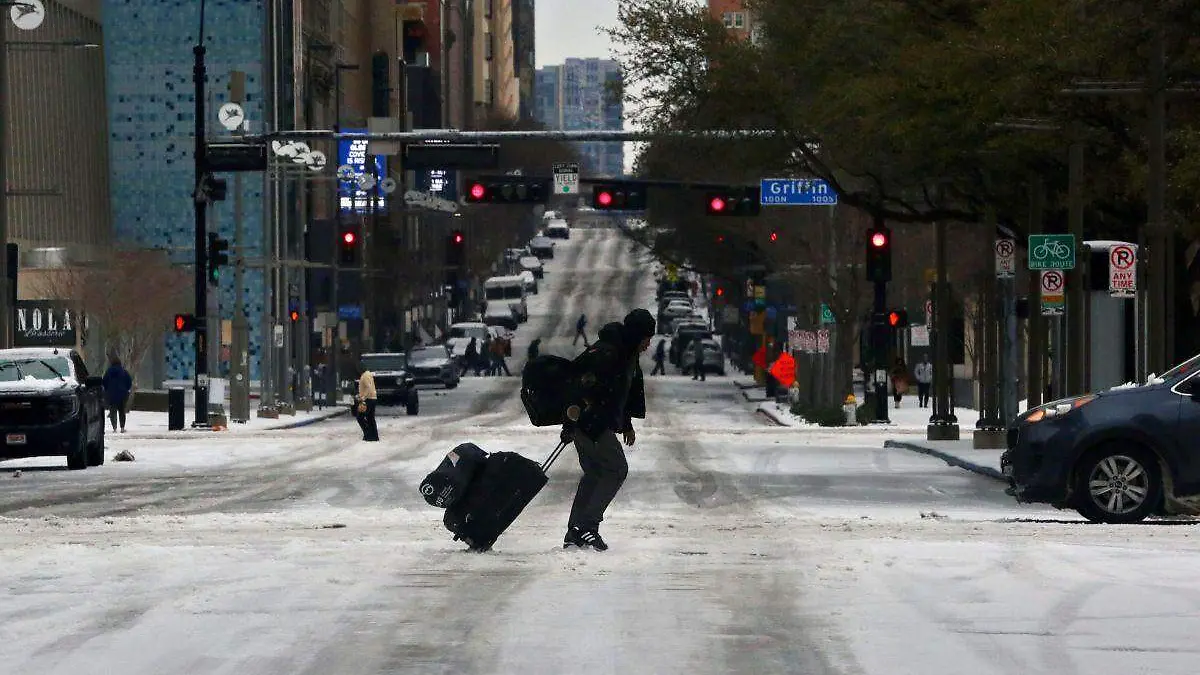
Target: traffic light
pixel 879 254
pixel 898 318
pixel 508 190
pixel 348 244
pixel 212 189
pixel 720 239
pixel 185 323
pixel 295 315
pixel 733 201
pixel 774 237
pixel 621 196
pixel 456 249
pixel 218 256
pixel 719 291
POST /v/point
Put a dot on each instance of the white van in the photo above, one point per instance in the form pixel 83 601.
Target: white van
pixel 506 304
pixel 558 229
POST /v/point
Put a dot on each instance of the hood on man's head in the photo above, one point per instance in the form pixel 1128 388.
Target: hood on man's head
pixel 613 333
pixel 639 325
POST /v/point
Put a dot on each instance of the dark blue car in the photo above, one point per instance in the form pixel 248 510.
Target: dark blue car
pixel 1116 456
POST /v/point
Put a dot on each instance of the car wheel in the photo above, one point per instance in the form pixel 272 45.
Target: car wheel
pixel 1117 484
pixel 414 404
pixel 77 456
pixel 96 451
pixel 721 372
pixel 452 384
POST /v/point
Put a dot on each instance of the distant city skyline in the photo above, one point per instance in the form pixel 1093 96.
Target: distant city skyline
pixel 565 30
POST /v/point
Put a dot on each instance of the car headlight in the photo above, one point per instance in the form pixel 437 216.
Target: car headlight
pixel 1059 409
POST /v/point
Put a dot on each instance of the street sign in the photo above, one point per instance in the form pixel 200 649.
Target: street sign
pixel 278 333
pixel 928 312
pixel 1054 300
pixel 672 269
pixel 1051 252
pixel 1006 258
pixel 231 116
pixel 918 336
pixel 796 192
pixel 823 341
pixel 566 179
pixel 27 14
pixel 827 315
pixel 1122 271
pixel 749 288
pixel 791 324
pixel 760 293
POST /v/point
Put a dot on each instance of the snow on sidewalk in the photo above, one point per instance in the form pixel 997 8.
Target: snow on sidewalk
pixel 145 424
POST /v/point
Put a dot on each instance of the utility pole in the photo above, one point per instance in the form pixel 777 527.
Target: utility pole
pixel 989 430
pixel 943 424
pixel 200 202
pixel 239 386
pixel 1036 359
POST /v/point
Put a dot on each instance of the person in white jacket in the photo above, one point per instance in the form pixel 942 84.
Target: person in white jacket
pixel 924 374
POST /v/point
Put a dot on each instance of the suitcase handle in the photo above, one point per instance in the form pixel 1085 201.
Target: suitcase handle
pixel 553 456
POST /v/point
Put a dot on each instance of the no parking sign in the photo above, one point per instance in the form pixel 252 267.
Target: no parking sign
pixel 1122 271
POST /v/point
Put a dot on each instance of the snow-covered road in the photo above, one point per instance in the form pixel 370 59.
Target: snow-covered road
pixel 738 547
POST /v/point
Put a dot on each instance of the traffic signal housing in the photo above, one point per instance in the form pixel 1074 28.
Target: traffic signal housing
pixel 348 244
pixel 456 249
pixel 733 201
pixel 507 190
pixel 185 323
pixel 619 196
pixel 897 318
pixel 218 256
pixel 879 254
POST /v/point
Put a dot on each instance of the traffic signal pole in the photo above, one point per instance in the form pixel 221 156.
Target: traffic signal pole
pixel 200 204
pixel 881 334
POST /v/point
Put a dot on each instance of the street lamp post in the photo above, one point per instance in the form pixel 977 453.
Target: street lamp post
pixel 200 204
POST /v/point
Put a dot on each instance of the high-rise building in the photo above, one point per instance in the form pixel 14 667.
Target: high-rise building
pixel 525 56
pixel 495 84
pixel 584 94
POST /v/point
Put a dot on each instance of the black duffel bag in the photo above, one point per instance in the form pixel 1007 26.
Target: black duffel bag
pixel 446 484
pixel 548 385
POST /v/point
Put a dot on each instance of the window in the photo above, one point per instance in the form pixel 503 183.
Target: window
pixel 489 93
pixel 488 47
pixel 734 19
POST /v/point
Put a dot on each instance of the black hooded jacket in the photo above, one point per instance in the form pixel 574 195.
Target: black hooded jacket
pixel 610 383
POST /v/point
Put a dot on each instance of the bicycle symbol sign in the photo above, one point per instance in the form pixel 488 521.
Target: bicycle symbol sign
pixel 1051 252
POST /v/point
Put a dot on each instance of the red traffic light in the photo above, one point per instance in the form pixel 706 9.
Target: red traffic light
pixel 893 318
pixel 457 237
pixel 720 239
pixel 879 240
pixel 348 238
pixel 478 191
pixel 716 204
pixel 720 291
pixel 774 236
pixel 604 198
pixel 295 315
pixel 180 322
pixel 185 323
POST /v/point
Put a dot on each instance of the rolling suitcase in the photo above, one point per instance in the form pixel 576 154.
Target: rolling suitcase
pixel 446 484
pixel 501 489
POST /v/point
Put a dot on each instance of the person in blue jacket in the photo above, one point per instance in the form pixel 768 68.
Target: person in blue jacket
pixel 118 384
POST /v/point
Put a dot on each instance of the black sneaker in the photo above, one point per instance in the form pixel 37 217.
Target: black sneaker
pixel 584 539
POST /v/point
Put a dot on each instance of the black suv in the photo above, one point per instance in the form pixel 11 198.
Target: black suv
pixel 50 406
pixel 1116 456
pixel 394 383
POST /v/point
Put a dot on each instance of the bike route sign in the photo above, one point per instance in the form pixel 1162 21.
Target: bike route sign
pixel 1051 252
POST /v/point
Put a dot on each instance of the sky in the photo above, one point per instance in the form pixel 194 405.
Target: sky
pixel 572 28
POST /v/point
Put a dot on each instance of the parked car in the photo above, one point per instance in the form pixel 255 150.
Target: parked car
pixel 50 406
pixel 558 229
pixel 1116 456
pixel 714 358
pixel 530 281
pixel 434 365
pixel 676 309
pixel 533 264
pixel 668 296
pixel 681 342
pixel 394 383
pixel 460 335
pixel 542 247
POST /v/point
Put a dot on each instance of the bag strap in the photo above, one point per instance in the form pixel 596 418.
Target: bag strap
pixel 553 456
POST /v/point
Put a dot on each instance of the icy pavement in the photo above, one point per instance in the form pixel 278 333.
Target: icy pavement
pixel 737 547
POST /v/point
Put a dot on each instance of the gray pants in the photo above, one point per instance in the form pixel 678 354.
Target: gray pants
pixel 604 470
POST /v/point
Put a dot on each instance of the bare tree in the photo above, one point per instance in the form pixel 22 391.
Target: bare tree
pixel 127 299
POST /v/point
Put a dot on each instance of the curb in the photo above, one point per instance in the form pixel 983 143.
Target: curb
pixel 191 433
pixel 948 458
pixel 771 417
pixel 312 420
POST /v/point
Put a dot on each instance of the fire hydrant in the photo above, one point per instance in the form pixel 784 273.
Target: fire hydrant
pixel 850 408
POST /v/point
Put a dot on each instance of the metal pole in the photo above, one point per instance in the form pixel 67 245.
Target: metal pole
pixel 1076 330
pixel 1008 365
pixel 1036 358
pixel 200 202
pixel 6 293
pixel 880 339
pixel 943 424
pixel 1161 253
pixel 335 350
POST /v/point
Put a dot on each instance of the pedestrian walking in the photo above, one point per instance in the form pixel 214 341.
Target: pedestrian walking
pixel 580 325
pixel 365 404
pixel 118 385
pixel 470 354
pixel 924 374
pixel 899 376
pixel 660 358
pixel 535 348
pixel 612 393
pixel 499 349
pixel 698 360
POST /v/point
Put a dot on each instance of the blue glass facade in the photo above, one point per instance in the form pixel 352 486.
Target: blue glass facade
pixel 148 57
